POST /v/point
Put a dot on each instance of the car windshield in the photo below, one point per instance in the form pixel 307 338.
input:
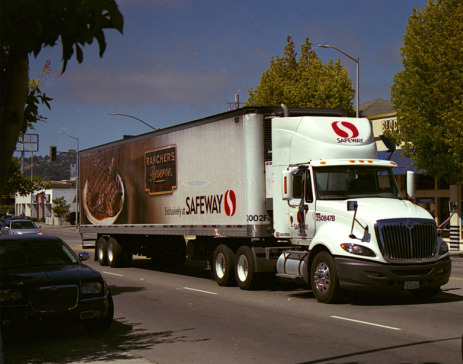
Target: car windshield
pixel 344 182
pixel 33 253
pixel 23 224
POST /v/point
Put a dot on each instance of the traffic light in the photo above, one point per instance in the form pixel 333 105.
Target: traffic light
pixel 53 153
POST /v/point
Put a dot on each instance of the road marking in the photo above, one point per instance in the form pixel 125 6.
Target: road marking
pixel 199 290
pixel 457 279
pixel 113 274
pixel 366 323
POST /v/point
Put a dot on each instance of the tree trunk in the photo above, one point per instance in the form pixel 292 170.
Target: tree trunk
pixel 14 96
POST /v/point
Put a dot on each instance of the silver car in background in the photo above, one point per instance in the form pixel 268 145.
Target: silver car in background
pixel 19 227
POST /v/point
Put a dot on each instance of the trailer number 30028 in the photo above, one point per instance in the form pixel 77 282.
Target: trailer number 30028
pixel 257 218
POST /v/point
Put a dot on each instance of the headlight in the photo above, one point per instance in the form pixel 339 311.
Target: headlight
pixel 358 250
pixel 92 288
pixel 444 248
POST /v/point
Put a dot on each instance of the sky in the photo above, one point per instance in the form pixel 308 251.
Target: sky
pixel 182 60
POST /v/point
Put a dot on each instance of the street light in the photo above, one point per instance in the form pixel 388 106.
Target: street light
pixel 133 117
pixel 356 60
pixel 77 176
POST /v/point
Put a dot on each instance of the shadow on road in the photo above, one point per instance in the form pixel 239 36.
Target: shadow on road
pixel 57 343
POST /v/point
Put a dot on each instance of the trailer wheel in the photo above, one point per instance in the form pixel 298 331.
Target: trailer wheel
pixel 114 253
pixel 223 264
pixel 101 250
pixel 324 278
pixel 246 276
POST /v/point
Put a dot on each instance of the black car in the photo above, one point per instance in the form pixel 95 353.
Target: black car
pixel 42 278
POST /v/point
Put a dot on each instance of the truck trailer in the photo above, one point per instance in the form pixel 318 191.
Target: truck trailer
pixel 259 191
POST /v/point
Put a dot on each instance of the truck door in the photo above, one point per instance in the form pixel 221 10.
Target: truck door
pixel 302 207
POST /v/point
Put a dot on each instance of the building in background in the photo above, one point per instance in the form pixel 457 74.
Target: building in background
pixel 39 205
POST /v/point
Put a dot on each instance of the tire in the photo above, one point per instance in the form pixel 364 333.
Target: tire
pixel 102 251
pixel 114 253
pixel 106 321
pixel 94 325
pixel 324 278
pixel 223 266
pixel 245 269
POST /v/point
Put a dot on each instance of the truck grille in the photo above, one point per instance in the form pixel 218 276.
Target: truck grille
pixel 54 298
pixel 407 240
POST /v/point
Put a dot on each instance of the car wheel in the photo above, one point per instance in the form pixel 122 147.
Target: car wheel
pixel 103 323
pixel 108 319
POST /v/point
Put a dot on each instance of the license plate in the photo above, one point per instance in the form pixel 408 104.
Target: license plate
pixel 412 284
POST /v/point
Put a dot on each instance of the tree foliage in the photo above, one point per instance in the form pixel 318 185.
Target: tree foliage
pixel 303 82
pixel 60 206
pixel 22 185
pixel 35 97
pixel 428 93
pixel 26 26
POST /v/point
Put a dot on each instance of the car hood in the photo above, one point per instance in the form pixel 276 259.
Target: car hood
pixel 52 275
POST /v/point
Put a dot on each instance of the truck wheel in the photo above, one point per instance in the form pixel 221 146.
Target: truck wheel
pixel 101 250
pixel 324 278
pixel 245 274
pixel 114 253
pixel 223 264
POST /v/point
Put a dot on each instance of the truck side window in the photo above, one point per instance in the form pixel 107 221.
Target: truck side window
pixel 297 185
pixel 308 188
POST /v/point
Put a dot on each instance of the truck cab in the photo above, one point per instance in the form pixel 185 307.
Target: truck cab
pixel 343 209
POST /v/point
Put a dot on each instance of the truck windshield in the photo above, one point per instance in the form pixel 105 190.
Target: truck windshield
pixel 344 182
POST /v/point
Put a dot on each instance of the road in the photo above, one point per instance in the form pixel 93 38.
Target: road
pixel 185 317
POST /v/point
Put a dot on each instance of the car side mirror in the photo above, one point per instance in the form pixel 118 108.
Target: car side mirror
pixel 84 256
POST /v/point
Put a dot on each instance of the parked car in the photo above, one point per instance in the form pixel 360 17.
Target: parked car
pixel 19 227
pixel 42 277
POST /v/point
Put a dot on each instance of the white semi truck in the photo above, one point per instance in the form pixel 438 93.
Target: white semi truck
pixel 299 193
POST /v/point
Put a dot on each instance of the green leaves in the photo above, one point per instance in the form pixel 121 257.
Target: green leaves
pixel 27 26
pixel 427 93
pixel 303 82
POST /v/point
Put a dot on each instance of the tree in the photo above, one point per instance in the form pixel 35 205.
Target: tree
pixel 60 208
pixel 428 93
pixel 303 82
pixel 19 184
pixel 25 27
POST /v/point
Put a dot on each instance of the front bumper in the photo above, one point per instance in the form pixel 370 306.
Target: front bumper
pixel 361 275
pixel 87 309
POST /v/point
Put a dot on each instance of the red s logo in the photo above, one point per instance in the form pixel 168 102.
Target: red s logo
pixel 230 203
pixel 345 129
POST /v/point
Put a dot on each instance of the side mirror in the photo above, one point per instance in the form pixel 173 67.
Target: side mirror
pixel 286 185
pixel 410 185
pixel 84 256
pixel 352 205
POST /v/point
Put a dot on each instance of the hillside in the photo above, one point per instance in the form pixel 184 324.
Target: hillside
pixel 52 171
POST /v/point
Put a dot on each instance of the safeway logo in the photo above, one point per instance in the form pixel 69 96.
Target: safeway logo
pixel 347 132
pixel 230 203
